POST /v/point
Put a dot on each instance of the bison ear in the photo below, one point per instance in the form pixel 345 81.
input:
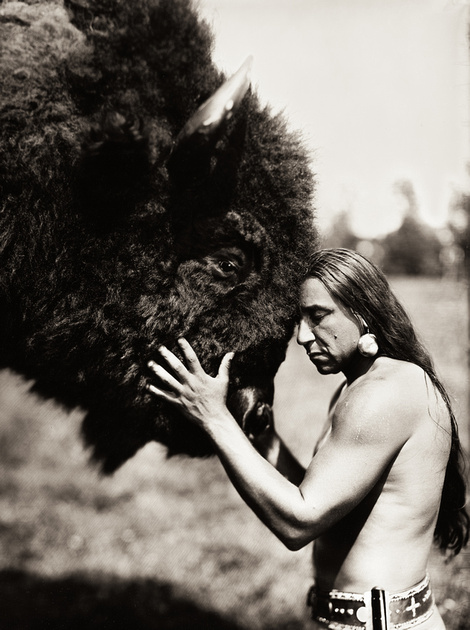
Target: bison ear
pixel 194 158
pixel 114 169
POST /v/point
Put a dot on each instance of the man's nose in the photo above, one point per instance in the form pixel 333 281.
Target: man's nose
pixel 304 333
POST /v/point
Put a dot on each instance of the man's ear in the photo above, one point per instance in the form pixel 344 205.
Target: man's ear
pixel 361 320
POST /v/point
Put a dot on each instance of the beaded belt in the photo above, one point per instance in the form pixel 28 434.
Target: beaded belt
pixel 351 611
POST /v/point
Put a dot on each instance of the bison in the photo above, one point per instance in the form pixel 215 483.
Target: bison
pixel 130 216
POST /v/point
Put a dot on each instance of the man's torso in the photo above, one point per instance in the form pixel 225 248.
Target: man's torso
pixel 385 540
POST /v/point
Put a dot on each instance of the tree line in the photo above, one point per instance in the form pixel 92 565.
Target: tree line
pixel 415 248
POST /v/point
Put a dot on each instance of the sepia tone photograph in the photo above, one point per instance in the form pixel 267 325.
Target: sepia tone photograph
pixel 234 314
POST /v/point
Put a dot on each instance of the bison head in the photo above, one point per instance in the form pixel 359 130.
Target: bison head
pixel 130 217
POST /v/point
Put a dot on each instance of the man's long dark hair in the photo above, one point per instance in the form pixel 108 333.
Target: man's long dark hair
pixel 360 286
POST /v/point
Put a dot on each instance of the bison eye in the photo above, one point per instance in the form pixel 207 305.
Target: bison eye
pixel 227 266
pixel 229 263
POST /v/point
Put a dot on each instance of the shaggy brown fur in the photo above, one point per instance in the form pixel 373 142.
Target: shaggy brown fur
pixel 108 248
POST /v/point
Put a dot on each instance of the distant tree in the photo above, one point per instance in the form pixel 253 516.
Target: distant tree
pixel 459 219
pixel 452 255
pixel 340 233
pixel 413 249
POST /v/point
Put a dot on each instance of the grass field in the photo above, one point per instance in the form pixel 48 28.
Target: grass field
pixel 169 544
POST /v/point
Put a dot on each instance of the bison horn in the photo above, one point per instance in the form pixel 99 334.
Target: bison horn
pixel 203 173
pixel 219 107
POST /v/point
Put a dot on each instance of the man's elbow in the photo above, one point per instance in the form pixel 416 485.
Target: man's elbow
pixel 295 544
pixel 302 525
pixel 296 538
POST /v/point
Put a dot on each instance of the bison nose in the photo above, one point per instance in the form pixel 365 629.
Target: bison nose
pixel 252 409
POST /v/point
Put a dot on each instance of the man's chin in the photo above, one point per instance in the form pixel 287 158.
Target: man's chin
pixel 325 368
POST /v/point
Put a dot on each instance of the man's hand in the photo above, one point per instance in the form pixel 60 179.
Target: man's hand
pixel 267 441
pixel 199 396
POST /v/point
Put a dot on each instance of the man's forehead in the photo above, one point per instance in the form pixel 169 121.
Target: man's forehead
pixel 314 294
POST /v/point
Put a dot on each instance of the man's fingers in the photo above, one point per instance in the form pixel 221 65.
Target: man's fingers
pixel 172 360
pixel 190 356
pixel 224 367
pixel 160 393
pixel 164 376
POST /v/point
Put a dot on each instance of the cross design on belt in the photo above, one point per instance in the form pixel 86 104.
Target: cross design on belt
pixel 413 606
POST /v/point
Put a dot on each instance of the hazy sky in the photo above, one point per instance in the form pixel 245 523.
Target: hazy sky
pixel 380 89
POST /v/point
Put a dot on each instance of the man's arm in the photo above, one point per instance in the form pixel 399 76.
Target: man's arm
pixel 368 430
pixel 270 445
pixel 366 436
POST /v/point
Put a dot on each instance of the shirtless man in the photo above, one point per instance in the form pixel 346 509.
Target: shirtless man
pixel 376 493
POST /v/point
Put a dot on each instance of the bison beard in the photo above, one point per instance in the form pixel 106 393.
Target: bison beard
pixel 119 234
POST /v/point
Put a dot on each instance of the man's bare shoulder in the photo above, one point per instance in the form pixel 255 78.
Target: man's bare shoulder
pixel 389 379
pixel 385 403
pixel 385 367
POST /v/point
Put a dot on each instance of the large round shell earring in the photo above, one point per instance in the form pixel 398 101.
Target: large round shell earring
pixel 367 344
